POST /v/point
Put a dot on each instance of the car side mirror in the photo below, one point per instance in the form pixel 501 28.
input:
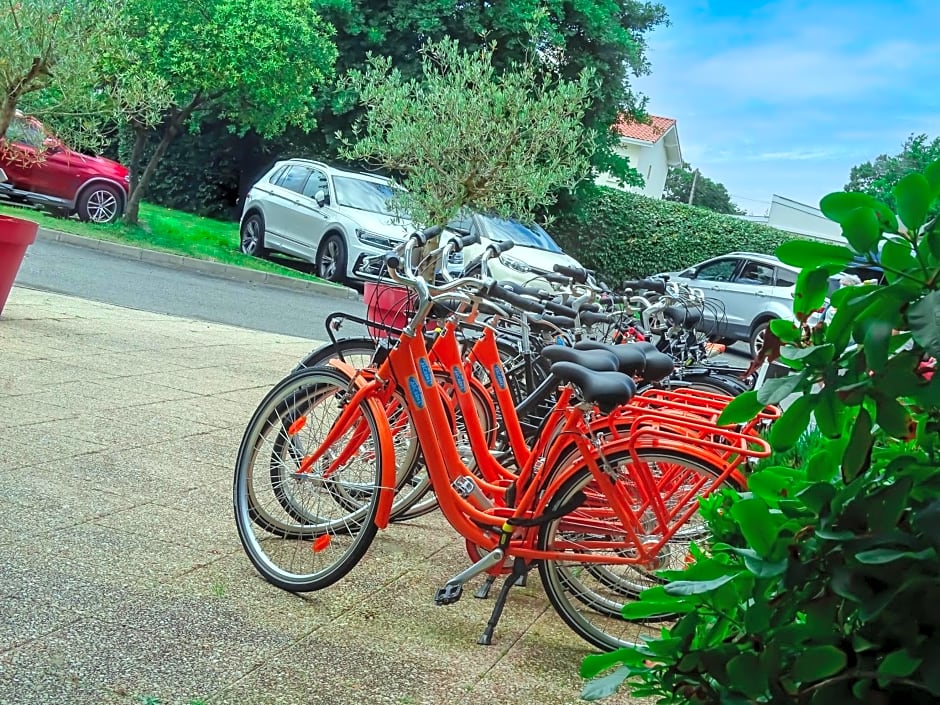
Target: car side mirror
pixel 321 198
pixel 689 274
pixel 52 146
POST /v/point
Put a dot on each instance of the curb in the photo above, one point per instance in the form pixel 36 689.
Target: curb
pixel 214 269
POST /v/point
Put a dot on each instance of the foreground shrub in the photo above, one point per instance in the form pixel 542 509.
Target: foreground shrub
pixel 821 584
pixel 625 235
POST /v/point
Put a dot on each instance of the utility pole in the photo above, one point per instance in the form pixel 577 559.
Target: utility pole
pixel 692 190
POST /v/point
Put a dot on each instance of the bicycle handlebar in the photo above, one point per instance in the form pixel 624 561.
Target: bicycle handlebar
pixel 657 285
pixel 504 294
pixel 578 274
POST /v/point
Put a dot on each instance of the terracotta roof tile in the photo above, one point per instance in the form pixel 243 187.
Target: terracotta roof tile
pixel 641 131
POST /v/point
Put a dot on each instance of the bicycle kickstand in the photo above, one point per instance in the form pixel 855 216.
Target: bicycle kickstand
pixel 519 569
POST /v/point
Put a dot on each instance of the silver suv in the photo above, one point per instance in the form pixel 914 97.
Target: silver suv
pixel 332 218
pixel 749 290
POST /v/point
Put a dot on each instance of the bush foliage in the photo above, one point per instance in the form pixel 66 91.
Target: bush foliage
pixel 623 235
pixel 821 583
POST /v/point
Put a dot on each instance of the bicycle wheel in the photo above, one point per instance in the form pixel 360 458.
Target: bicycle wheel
pixel 706 382
pixel 358 352
pixel 589 596
pixel 292 526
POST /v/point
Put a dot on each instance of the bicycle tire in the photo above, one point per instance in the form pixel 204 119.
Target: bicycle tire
pixel 589 597
pixel 359 352
pixel 705 382
pixel 321 543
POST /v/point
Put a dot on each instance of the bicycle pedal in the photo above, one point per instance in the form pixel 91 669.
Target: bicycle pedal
pixel 448 594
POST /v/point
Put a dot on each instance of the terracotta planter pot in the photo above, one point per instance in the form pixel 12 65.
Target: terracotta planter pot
pixel 16 235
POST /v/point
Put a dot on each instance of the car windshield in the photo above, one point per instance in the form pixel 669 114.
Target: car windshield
pixel 365 195
pixel 525 235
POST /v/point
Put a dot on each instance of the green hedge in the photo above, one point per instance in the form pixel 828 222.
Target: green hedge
pixel 625 235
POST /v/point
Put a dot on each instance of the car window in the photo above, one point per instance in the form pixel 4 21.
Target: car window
pixel 317 182
pixel 25 132
pixel 525 235
pixel 720 271
pixel 364 194
pixel 756 274
pixel 785 277
pixel 294 178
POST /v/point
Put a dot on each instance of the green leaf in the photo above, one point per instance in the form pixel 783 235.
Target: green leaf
pixel 818 496
pixel 810 253
pixel 774 391
pixel 641 609
pixel 876 339
pixel 899 664
pixel 914 196
pixel 837 206
pixel 897 255
pixel 812 287
pixel 600 688
pixel 818 662
pixel 892 416
pixel 932 174
pixel 757 525
pixel 697 587
pixel 592 664
pixel 862 229
pixel 923 316
pixel 742 408
pixel 746 674
pixel 860 443
pixel 817 354
pixel 787 430
pixel 821 467
pixel 785 330
pixel 879 556
pixel 829 413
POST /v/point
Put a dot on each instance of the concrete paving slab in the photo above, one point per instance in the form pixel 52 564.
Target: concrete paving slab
pixel 123 575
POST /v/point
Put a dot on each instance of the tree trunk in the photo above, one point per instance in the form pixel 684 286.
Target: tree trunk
pixel 7 110
pixel 140 139
pixel 132 212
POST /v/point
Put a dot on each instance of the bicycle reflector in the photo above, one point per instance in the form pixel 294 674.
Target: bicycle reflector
pixel 320 543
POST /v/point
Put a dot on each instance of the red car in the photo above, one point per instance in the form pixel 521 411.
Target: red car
pixel 59 179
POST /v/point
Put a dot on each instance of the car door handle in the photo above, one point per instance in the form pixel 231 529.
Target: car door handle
pixel 760 292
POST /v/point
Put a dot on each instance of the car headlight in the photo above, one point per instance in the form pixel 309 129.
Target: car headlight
pixel 381 242
pixel 516 264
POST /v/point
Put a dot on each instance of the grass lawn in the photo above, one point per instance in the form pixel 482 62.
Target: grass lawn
pixel 166 230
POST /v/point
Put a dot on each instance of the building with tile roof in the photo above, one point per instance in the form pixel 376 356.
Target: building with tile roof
pixel 652 149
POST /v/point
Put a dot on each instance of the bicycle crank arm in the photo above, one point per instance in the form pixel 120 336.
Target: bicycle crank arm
pixel 453 589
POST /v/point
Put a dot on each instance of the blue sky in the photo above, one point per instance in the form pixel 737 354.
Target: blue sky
pixel 786 97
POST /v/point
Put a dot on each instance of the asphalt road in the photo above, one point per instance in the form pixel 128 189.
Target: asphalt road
pixel 99 276
pixel 67 269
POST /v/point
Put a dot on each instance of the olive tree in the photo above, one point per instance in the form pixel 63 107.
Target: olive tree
pixel 52 56
pixel 466 135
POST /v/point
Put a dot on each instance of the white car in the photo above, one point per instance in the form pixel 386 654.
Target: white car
pixel 334 219
pixel 534 252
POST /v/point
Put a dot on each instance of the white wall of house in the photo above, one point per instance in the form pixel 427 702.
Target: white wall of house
pixel 801 219
pixel 649 160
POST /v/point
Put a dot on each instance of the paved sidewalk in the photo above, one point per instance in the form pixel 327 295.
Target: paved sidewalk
pixel 122 576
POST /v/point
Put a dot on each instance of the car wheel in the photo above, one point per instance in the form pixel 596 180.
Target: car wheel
pixel 252 236
pixel 758 336
pixel 100 204
pixel 331 260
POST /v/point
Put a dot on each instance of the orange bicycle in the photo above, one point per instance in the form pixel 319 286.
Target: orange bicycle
pixel 585 507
